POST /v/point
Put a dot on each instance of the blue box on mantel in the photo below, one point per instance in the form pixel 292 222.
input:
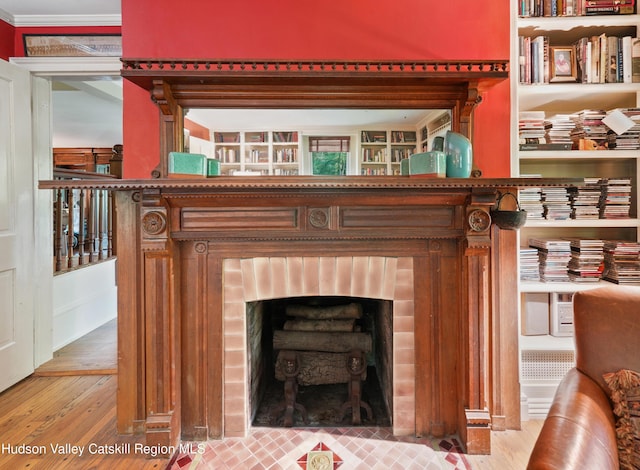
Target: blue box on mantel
pixel 187 164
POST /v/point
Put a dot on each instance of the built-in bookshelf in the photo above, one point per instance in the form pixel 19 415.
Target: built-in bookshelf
pixel 424 139
pixel 558 126
pixel 285 153
pixel 403 145
pixel 258 152
pixel 381 151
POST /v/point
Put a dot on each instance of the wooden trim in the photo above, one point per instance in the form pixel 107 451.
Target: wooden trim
pixel 225 185
pixel 131 411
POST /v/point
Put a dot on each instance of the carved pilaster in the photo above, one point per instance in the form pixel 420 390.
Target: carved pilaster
pixel 194 312
pixel 160 305
pixel 477 253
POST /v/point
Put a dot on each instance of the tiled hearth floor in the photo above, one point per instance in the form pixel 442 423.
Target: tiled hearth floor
pixel 349 448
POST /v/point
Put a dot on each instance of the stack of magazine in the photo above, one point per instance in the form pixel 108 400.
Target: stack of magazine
pixel 556 203
pixel 585 199
pixel 587 260
pixel 615 201
pixel 628 139
pixel 558 131
pixel 529 264
pixel 590 133
pixel 554 256
pixel 530 200
pixel 621 262
pixel 531 130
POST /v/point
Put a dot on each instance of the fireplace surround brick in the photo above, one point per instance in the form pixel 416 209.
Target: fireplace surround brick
pixel 265 278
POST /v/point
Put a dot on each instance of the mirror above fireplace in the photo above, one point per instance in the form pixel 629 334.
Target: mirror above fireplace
pixel 262 141
pixel 178 85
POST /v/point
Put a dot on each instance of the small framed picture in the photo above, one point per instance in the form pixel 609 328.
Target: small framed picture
pixel 563 64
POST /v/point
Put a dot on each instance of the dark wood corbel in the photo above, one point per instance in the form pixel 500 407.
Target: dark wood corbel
pixel 171 124
pixel 474 98
pixel 162 95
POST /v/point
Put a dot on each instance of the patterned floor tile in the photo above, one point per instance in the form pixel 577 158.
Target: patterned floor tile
pixel 337 448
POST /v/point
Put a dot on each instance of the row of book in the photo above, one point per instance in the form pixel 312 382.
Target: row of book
pixel 595 198
pixel 594 59
pixel 588 129
pixel 527 8
pixel 580 260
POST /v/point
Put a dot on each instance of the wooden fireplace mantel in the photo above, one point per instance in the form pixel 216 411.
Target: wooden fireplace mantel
pixel 174 235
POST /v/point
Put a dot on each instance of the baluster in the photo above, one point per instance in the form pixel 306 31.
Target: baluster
pixel 58 239
pixel 87 233
pixel 101 225
pixel 110 210
pixel 70 228
pixel 81 229
pixel 91 226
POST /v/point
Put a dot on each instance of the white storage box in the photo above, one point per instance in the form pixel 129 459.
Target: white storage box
pixel 561 314
pixel 535 314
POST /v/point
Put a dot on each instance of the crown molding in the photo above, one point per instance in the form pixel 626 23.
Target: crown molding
pixel 6 17
pixel 63 20
pixel 69 66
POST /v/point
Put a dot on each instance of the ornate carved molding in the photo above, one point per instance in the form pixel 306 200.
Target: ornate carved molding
pixel 499 68
pixel 479 220
pixel 154 222
pixel 227 186
pixel 319 217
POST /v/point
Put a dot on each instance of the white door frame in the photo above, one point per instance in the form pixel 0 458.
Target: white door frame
pixel 43 69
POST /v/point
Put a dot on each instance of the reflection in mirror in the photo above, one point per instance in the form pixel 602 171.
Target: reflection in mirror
pixel 284 141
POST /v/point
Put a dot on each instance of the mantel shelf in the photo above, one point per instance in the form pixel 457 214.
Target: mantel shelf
pixel 312 183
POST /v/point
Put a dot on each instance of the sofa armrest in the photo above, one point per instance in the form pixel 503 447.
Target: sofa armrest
pixel 579 431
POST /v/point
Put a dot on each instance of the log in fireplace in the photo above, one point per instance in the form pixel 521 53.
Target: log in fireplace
pixel 334 350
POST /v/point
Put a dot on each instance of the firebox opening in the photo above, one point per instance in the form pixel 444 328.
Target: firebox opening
pixel 326 404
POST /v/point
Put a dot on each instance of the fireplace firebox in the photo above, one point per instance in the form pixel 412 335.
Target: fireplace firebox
pixel 316 324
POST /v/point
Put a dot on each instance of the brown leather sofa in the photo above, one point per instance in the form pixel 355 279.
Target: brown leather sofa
pixel 579 431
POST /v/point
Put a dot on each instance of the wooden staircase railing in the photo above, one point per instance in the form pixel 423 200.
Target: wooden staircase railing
pixel 83 222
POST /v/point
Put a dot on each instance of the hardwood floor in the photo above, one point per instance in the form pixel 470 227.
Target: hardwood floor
pixel 69 403
pixel 93 354
pixel 510 450
pixel 41 412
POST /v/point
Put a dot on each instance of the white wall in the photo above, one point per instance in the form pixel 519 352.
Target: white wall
pixel 83 300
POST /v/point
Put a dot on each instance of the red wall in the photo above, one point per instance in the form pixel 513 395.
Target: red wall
pixel 332 29
pixel 6 40
pixel 12 43
pixel 19 31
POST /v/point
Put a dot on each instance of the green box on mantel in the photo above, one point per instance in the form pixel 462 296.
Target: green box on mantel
pixel 182 163
pixel 213 167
